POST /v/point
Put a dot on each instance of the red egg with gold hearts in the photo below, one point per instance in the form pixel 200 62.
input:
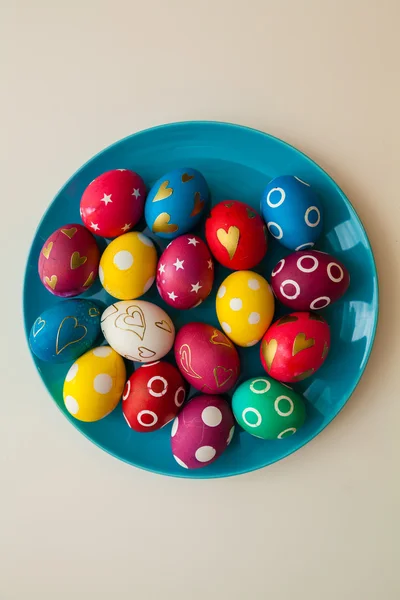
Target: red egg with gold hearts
pixel 185 272
pixel 295 346
pixel 153 395
pixel 236 235
pixel 309 280
pixel 207 359
pixel 113 203
pixel 69 261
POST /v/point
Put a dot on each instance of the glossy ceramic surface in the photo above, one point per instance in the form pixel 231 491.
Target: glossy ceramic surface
pixel 237 163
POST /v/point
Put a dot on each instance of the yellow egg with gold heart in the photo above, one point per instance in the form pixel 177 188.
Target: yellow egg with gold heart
pixel 128 266
pixel 245 307
pixel 94 384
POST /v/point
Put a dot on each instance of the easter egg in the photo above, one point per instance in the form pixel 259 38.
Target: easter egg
pixel 245 307
pixel 268 409
pixel 293 212
pixel 153 395
pixel 138 330
pixel 94 384
pixel 309 280
pixel 69 261
pixel 202 431
pixel 176 203
pixel 113 202
pixel 236 235
pixel 295 346
pixel 128 266
pixel 65 331
pixel 206 358
pixel 185 272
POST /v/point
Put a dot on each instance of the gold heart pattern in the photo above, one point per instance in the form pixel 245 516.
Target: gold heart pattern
pixel 110 313
pixel 315 317
pixel 46 251
pixel 69 232
pixel 222 375
pixel 164 325
pixel 133 320
pixel 250 213
pixel 286 319
pixel 89 280
pixel 198 205
pixel 186 361
pixel 325 351
pixel 77 260
pixel 145 352
pixel 162 224
pixel 303 375
pixel 302 343
pixel 186 177
pixel 163 192
pixel 229 240
pixel 76 326
pixel 228 204
pixel 38 326
pixel 268 350
pixel 94 312
pixel 214 339
pixel 52 281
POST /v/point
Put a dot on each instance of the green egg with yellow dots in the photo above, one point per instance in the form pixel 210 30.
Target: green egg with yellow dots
pixel 268 409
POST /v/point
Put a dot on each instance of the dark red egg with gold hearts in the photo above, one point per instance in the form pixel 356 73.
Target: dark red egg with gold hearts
pixel 309 280
pixel 69 261
pixel 185 272
pixel 113 203
pixel 207 359
pixel 153 395
pixel 295 346
pixel 236 235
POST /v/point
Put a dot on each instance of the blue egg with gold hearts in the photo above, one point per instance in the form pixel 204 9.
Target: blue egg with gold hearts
pixel 176 203
pixel 65 331
pixel 292 212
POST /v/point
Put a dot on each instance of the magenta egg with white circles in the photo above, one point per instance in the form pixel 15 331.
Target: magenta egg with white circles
pixel 202 431
pixel 185 272
pixel 309 280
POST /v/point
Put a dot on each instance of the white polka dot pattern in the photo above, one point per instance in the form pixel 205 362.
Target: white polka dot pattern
pixel 123 260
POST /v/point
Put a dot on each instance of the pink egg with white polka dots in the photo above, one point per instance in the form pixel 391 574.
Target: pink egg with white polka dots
pixel 185 272
pixel 309 280
pixel 202 431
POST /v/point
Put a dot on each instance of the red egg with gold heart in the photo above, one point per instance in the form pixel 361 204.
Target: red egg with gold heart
pixel 207 359
pixel 113 203
pixel 69 261
pixel 295 346
pixel 236 235
pixel 185 272
pixel 309 280
pixel 153 395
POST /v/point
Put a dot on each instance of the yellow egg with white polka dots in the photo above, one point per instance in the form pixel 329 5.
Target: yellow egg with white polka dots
pixel 128 266
pixel 245 307
pixel 94 384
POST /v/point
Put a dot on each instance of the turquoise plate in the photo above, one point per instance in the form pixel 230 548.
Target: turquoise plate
pixel 237 163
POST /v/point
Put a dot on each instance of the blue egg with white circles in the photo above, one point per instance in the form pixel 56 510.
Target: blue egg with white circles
pixel 292 212
pixel 65 331
pixel 176 203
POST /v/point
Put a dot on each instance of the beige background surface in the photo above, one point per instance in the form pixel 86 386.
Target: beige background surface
pixel 76 76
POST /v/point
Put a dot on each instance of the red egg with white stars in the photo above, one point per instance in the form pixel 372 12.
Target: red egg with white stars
pixel 309 280
pixel 185 272
pixel 69 261
pixel 113 203
pixel 236 235
pixel 295 346
pixel 153 395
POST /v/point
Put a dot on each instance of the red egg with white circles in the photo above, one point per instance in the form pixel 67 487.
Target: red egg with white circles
pixel 185 272
pixel 309 280
pixel 113 203
pixel 295 346
pixel 153 395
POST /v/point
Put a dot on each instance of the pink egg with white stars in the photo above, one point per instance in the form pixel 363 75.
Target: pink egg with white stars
pixel 202 431
pixel 309 280
pixel 185 272
pixel 113 203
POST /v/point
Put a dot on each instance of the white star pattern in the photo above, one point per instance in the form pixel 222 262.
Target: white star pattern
pixel 193 242
pixel 196 287
pixel 210 263
pixel 178 264
pixel 94 226
pixel 126 226
pixel 172 296
pixel 81 212
pixel 106 199
pixel 161 268
pixel 136 192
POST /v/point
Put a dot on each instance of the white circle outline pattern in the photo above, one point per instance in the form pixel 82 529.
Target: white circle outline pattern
pixel 180 389
pixel 331 277
pixel 252 410
pixel 266 389
pixel 281 199
pixel 128 390
pixel 292 429
pixel 280 412
pixel 306 245
pixel 279 228
pixel 275 271
pixel 295 284
pixel 147 412
pixel 313 303
pixel 307 220
pixel 152 392
pixel 304 269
